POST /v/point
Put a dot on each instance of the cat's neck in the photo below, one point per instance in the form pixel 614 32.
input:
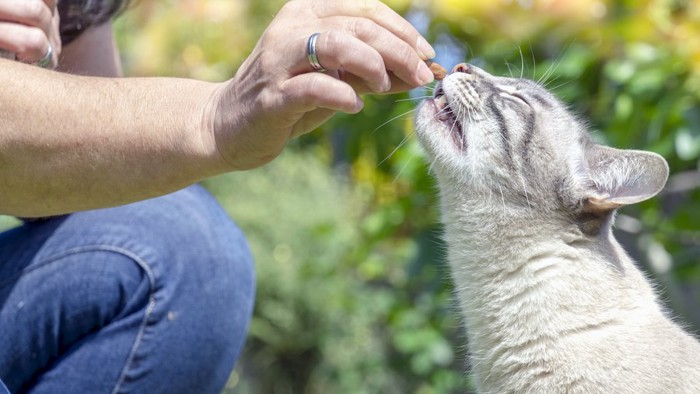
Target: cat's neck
pixel 493 243
pixel 492 240
pixel 486 246
pixel 523 281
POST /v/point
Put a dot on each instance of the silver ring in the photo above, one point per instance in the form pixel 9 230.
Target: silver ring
pixel 47 60
pixel 312 55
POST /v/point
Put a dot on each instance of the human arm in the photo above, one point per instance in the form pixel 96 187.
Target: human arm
pixel 71 142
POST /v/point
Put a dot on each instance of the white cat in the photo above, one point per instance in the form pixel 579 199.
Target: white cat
pixel 551 302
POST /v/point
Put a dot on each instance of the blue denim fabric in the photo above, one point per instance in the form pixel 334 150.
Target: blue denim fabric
pixel 152 297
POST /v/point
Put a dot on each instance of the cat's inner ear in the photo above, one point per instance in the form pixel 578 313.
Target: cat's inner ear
pixel 622 177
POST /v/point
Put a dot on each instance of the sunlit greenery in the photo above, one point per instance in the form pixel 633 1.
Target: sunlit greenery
pixel 353 292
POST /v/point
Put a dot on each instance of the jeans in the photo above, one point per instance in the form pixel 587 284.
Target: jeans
pixel 152 297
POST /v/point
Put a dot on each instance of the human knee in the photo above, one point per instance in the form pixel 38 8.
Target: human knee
pixel 210 246
pixel 205 260
pixel 100 279
pixel 63 298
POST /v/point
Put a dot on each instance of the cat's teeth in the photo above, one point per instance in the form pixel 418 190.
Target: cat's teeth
pixel 444 111
pixel 441 102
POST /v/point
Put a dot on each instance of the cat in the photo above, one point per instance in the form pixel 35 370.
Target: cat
pixel 551 302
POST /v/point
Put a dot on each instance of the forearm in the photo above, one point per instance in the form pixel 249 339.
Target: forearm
pixel 71 143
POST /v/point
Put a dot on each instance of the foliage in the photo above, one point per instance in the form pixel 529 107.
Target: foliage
pixel 353 294
pixel 342 305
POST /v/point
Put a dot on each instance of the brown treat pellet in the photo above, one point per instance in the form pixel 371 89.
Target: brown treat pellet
pixel 438 71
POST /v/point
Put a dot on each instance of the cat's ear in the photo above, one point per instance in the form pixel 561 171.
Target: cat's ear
pixel 622 177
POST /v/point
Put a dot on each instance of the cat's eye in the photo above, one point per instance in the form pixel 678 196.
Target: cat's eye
pixel 520 97
pixel 515 96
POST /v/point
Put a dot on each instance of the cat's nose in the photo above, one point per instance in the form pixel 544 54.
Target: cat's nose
pixel 462 68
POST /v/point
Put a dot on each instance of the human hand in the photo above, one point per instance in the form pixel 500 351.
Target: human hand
pixel 276 95
pixel 28 28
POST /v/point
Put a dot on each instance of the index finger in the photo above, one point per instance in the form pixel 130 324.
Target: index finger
pixel 380 14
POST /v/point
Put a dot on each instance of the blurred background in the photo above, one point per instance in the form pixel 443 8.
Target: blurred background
pixel 353 294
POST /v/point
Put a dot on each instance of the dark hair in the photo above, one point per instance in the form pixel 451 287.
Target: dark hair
pixel 78 15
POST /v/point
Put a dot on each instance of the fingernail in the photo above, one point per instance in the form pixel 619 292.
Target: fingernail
pixel 359 105
pixel 425 50
pixel 425 75
pixel 386 85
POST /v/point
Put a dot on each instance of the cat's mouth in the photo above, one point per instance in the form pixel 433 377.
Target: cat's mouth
pixel 446 114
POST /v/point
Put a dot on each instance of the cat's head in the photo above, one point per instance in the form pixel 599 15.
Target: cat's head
pixel 509 141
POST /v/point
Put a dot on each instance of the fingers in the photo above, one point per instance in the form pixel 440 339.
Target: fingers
pixel 380 14
pixel 402 49
pixel 31 13
pixel 308 92
pixel 339 51
pixel 399 56
pixel 360 86
pixel 366 53
pixel 29 44
pixel 26 27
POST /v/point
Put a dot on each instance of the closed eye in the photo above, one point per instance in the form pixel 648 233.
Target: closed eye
pixel 515 96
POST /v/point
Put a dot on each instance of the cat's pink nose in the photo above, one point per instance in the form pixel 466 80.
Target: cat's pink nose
pixel 462 68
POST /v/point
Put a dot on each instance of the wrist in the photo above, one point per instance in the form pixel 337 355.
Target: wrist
pixel 209 127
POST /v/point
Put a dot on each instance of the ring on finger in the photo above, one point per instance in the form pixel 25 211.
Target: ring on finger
pixel 47 60
pixel 312 55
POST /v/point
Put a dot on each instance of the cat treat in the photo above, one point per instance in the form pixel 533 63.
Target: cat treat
pixel 438 71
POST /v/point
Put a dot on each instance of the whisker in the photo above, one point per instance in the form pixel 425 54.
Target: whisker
pixel 544 80
pixel 410 159
pixel 549 82
pixel 510 71
pixel 534 63
pixel 553 67
pixel 430 167
pixel 431 85
pixel 442 111
pixel 453 127
pixel 413 99
pixel 522 62
pixel 561 84
pixel 401 144
pixel 394 118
